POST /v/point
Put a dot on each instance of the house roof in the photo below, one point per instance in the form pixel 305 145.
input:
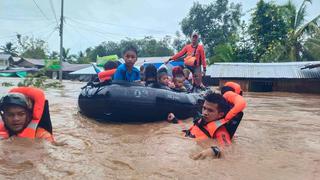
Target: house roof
pixel 290 70
pixel 37 62
pixel 73 67
pixel 85 71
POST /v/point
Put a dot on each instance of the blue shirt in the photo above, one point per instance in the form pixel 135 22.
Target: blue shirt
pixel 123 74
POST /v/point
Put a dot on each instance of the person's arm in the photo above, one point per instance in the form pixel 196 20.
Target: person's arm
pixel 178 55
pixel 37 95
pixel 118 75
pixel 239 104
pixel 203 59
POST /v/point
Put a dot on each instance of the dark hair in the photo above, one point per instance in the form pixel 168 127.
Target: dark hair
pixel 215 98
pixel 130 48
pixel 162 71
pixel 110 65
pixel 142 68
pixel 177 71
pixel 150 72
pixel 225 89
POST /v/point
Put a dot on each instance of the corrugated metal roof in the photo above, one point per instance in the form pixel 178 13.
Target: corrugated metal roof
pixel 73 67
pixel 38 62
pixel 84 71
pixel 290 70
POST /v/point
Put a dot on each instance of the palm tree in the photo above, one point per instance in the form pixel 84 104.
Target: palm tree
pixel 294 47
pixel 312 48
pixel 67 56
pixel 10 49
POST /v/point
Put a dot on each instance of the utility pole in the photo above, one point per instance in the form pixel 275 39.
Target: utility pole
pixel 61 42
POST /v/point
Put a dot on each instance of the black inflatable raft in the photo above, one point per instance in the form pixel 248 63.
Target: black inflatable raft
pixel 132 102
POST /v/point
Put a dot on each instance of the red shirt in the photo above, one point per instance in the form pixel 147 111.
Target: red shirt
pixel 189 50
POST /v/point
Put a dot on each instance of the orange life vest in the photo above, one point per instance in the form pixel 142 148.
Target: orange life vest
pixel 38 97
pixel 235 86
pixel 236 101
pixel 106 75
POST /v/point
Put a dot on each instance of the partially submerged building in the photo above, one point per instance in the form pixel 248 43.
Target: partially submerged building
pixel 264 77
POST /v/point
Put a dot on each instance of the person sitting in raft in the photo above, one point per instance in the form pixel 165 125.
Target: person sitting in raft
pixel 211 124
pixel 178 79
pixel 150 74
pixel 142 73
pixel 25 114
pixel 127 71
pixel 178 84
pixel 163 79
pixel 110 68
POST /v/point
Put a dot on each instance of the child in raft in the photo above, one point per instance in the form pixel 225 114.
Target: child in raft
pixel 163 79
pixel 110 68
pixel 127 71
pixel 178 79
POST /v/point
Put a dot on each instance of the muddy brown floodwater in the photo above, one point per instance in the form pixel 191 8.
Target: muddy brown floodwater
pixel 278 138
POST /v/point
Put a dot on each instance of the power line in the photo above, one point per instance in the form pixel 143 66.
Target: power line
pixel 98 33
pixel 120 25
pixel 94 29
pixel 21 19
pixel 41 10
pixel 28 32
pixel 54 12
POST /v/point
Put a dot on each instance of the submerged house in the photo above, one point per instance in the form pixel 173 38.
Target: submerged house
pixel 265 77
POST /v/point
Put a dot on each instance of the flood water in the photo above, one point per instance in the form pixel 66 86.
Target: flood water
pixel 278 138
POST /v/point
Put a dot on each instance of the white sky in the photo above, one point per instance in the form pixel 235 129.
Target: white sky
pixel 88 23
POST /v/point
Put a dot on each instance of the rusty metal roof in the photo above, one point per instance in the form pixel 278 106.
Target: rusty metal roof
pixel 289 70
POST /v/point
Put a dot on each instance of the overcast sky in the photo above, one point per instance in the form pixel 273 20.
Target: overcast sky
pixel 90 22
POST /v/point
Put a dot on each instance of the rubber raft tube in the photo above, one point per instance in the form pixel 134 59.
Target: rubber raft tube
pixel 132 102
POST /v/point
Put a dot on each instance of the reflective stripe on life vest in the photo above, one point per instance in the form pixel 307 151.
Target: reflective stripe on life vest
pixel 211 128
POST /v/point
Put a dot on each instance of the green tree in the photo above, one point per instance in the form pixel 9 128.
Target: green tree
pixel 179 42
pixel 267 29
pixel 295 47
pixel 216 22
pixel 82 59
pixel 10 49
pixel 54 55
pixel 67 56
pixel 312 48
pixel 32 48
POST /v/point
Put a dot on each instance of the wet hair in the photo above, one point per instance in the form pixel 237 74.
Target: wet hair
pixel 130 48
pixel 150 72
pixel 176 71
pixel 218 99
pixel 110 65
pixel 225 89
pixel 162 72
pixel 141 68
